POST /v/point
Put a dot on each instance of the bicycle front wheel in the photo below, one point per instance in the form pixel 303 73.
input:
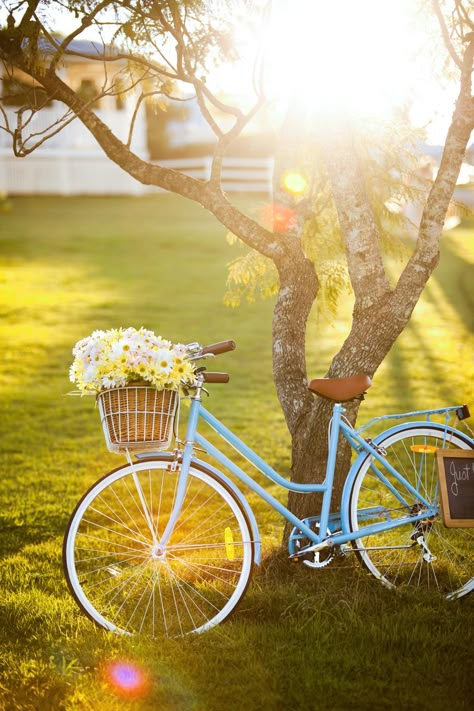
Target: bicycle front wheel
pixel 424 553
pixel 125 582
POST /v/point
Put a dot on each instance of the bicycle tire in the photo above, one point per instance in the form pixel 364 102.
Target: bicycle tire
pixel 395 557
pixel 124 584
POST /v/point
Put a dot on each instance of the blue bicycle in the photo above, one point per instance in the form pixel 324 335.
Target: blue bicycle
pixel 166 544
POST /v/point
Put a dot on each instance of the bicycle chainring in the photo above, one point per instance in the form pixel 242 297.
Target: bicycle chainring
pixel 315 559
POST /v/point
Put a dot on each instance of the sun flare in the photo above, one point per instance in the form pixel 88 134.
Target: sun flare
pixel 294 183
pixel 359 56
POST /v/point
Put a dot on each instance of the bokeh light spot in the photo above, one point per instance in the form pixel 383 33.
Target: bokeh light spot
pixel 126 679
pixel 294 183
pixel 278 218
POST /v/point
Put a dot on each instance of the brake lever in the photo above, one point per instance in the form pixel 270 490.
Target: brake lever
pixel 202 357
pixel 194 352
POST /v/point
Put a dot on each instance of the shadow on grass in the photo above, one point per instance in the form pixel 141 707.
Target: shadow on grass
pixel 400 367
pixel 455 277
pixel 15 536
pixel 416 354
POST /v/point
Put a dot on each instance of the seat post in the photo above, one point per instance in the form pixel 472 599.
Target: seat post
pixel 337 412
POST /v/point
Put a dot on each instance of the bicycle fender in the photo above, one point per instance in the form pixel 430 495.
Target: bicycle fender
pixel 346 492
pixel 165 456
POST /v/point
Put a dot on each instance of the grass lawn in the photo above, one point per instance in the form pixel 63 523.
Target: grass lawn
pixel 302 639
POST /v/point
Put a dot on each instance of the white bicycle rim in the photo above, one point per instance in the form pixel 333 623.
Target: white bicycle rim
pixel 87 504
pixel 365 545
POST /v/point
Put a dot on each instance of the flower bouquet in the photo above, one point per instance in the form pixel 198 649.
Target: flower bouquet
pixel 136 377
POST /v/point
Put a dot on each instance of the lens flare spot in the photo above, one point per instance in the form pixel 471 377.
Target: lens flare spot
pixel 126 679
pixel 294 183
pixel 278 218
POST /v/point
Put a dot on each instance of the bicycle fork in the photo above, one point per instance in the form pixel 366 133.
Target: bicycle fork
pixel 159 544
pixel 141 496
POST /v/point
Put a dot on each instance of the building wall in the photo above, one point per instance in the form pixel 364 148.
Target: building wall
pixel 70 161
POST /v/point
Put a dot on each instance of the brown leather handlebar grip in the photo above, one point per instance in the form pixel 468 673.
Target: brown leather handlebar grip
pixel 216 377
pixel 218 348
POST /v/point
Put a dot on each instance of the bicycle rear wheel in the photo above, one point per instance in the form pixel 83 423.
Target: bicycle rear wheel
pixel 423 554
pixel 125 583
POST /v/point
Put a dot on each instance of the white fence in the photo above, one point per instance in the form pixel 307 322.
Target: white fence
pixel 73 172
pixel 238 174
pixel 63 173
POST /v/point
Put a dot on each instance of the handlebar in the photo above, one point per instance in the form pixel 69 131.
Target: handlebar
pixel 218 348
pixel 215 377
pixel 196 352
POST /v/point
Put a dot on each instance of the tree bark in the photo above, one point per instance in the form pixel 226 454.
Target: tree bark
pixel 298 289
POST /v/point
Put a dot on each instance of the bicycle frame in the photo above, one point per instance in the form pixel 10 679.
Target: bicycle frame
pixel 338 426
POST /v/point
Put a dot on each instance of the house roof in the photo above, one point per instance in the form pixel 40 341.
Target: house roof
pixel 94 49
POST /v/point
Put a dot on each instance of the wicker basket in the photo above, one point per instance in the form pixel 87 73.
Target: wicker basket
pixel 137 417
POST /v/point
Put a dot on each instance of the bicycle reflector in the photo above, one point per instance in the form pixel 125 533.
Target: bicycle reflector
pixel 229 544
pixel 423 448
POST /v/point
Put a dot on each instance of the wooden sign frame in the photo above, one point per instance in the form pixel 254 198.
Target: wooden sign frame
pixel 441 455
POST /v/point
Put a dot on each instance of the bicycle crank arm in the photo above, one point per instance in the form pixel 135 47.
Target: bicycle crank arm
pixel 311 549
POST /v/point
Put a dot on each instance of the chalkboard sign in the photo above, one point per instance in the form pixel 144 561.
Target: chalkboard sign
pixel 456 484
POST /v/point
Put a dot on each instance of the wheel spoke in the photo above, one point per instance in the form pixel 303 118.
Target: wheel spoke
pixel 401 556
pixel 124 581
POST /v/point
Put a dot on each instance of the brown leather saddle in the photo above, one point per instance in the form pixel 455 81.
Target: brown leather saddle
pixel 341 389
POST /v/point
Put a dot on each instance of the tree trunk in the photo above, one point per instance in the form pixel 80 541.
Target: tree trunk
pixel 373 333
pixel 298 289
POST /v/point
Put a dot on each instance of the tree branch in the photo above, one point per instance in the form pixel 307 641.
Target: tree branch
pixel 445 33
pixel 227 138
pixel 253 234
pixel 426 255
pixel 463 15
pixel 87 20
pixel 29 13
pixel 138 103
pixel 20 148
pixel 356 219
